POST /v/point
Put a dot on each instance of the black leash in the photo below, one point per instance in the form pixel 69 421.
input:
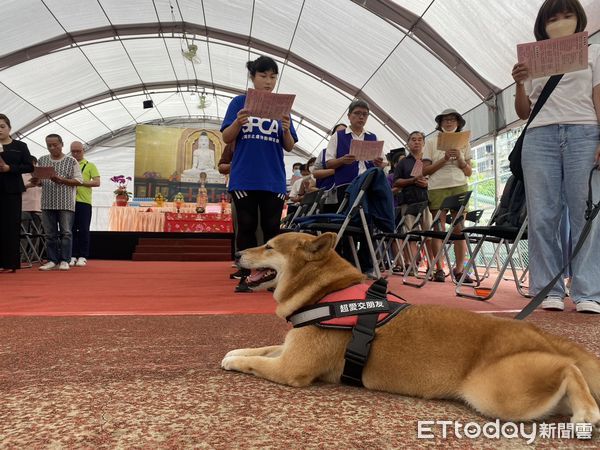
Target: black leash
pixel 591 212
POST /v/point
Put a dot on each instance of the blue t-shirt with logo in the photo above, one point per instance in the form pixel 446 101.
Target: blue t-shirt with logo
pixel 257 163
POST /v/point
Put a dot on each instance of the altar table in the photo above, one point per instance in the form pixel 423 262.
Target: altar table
pixel 198 223
pixel 153 218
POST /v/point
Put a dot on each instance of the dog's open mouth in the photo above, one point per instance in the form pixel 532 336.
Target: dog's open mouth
pixel 260 276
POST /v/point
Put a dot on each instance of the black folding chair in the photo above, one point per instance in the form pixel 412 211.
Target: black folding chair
pixel 399 238
pixel 507 227
pixel 456 203
pixel 308 205
pixel 32 239
pixel 350 222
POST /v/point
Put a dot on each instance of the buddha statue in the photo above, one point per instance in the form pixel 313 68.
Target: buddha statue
pixel 203 160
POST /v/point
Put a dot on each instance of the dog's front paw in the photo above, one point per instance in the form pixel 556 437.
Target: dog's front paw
pixel 236 352
pixel 228 362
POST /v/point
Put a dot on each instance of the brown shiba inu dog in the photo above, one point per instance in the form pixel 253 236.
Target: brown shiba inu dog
pixel 503 368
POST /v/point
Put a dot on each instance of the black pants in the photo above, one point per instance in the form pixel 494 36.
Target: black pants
pixel 81 230
pixel 249 206
pixel 10 230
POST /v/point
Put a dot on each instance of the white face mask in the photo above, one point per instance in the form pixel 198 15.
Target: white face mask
pixel 561 28
pixel 449 130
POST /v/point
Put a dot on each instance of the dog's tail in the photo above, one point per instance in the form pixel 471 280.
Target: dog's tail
pixel 588 363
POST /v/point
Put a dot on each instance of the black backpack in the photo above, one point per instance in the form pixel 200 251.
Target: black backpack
pixel 512 210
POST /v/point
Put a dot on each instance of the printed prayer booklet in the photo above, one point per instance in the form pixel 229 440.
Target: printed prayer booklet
pixel 555 56
pixel 450 141
pixel 44 173
pixel 417 169
pixel 268 105
pixel 366 150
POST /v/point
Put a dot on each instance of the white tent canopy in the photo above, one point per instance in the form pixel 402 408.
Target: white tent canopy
pixel 83 67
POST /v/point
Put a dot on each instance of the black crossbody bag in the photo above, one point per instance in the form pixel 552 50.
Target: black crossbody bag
pixel 515 155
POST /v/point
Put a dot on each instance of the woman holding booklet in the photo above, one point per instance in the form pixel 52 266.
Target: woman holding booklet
pixel 561 146
pixel 447 161
pixel 14 161
pixel 257 180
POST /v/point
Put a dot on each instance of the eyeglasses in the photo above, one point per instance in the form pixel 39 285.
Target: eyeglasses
pixel 360 114
pixel 450 119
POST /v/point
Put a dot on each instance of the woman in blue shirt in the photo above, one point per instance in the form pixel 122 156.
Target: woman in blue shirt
pixel 257 179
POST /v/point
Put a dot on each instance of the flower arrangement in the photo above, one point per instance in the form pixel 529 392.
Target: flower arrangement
pixel 179 200
pixel 122 181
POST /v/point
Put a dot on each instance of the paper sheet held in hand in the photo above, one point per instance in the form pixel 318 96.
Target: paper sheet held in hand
pixel 450 141
pixel 44 173
pixel 554 56
pixel 268 105
pixel 366 150
pixel 417 170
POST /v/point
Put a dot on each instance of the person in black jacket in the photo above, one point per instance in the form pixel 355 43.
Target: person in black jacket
pixel 14 161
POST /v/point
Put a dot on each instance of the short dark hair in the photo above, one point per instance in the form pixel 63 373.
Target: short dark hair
pixel 296 164
pixel 303 167
pixel 333 130
pixel 415 132
pixel 262 64
pixel 553 7
pixel 358 103
pixel 394 155
pixel 6 119
pixel 54 135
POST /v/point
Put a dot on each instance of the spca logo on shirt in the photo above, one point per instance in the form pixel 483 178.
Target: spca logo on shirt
pixel 263 126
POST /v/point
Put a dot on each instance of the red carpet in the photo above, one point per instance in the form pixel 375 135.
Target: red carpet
pixel 178 288
pixel 145 373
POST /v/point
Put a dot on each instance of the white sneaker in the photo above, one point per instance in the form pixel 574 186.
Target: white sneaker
pixel 588 307
pixel 81 262
pixel 553 303
pixel 72 262
pixel 48 266
pixel 64 266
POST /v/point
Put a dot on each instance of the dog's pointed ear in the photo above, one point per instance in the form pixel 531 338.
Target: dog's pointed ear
pixel 319 247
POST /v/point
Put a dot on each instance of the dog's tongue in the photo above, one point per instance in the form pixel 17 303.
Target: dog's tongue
pixel 258 275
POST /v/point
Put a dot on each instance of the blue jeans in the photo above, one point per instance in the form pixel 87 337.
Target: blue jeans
pixel 58 224
pixel 557 160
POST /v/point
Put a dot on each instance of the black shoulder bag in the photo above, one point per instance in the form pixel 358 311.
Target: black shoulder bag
pixel 515 155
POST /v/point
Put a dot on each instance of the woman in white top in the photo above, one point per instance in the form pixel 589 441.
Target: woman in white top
pixel 560 148
pixel 448 175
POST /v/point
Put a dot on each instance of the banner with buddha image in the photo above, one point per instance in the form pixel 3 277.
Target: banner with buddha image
pixel 170 160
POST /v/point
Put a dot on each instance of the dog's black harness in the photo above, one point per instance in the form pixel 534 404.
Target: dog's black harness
pixel 373 311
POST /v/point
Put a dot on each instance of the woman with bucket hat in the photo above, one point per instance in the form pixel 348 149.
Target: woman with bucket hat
pixel 448 175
